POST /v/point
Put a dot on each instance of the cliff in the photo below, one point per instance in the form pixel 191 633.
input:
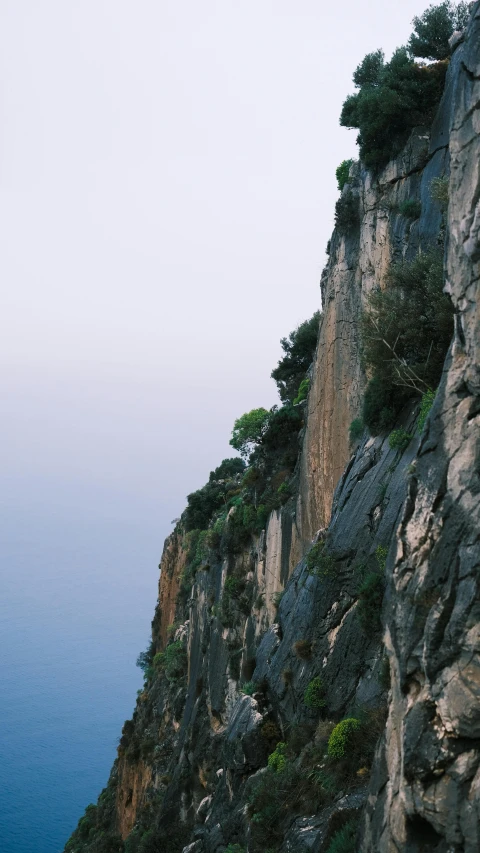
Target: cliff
pixel 270 647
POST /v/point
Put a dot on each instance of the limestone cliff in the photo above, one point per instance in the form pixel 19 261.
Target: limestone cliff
pixel 262 645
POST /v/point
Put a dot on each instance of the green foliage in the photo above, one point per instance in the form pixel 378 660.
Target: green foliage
pixel 380 403
pixel 249 430
pixel 356 429
pixel 249 688
pixel 425 406
pixel 235 848
pixel 411 208
pixel 276 598
pixel 406 332
pixel 299 349
pixel 319 563
pixel 393 98
pixel 96 830
pixel 145 659
pixel 344 841
pixel 341 174
pixel 205 502
pixel 433 29
pixel 347 216
pixel 174 661
pixel 277 760
pixel 314 696
pixel 282 429
pixel 227 470
pixel 370 598
pixel 202 504
pixel 381 554
pixel 343 737
pixel 439 190
pixel 302 391
pixel 399 439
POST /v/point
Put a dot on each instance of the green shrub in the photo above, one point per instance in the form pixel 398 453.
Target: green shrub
pixel 356 429
pixel 347 215
pixel 227 470
pixel 381 554
pixel 175 661
pixel 439 190
pixel 411 208
pixel 299 349
pixel 381 403
pixel 314 696
pixel 277 760
pixel 393 98
pixel 343 737
pixel 249 688
pixel 425 406
pixel 399 439
pixel 235 848
pixel 342 173
pixel 433 29
pixel 276 598
pixel 406 331
pixel 302 391
pixel 370 598
pixel 319 563
pixel 145 659
pixel 344 841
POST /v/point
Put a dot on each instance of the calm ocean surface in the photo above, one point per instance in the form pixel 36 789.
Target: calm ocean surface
pixel 77 597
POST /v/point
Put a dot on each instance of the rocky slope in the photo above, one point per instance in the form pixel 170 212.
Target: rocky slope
pixel 193 771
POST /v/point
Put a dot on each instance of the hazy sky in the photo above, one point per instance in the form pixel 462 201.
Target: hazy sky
pixel 166 194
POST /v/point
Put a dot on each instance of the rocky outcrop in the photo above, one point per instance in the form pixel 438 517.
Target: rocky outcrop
pixel 426 788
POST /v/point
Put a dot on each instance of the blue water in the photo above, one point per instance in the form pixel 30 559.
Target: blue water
pixel 77 597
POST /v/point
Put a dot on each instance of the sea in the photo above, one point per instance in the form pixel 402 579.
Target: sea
pixel 77 597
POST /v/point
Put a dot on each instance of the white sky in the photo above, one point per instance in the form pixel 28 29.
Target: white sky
pixel 166 194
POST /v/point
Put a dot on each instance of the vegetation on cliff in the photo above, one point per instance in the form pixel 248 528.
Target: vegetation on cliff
pixel 406 331
pixel 396 96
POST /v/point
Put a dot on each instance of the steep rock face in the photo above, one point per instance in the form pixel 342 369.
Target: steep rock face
pixel 358 261
pixel 426 787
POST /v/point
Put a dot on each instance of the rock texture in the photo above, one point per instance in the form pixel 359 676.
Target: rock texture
pixel 426 788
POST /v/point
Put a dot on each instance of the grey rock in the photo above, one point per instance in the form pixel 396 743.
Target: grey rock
pixel 313 834
pixel 429 797
pixel 244 746
pixel 196 847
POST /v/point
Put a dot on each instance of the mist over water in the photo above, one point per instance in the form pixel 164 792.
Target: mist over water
pixel 77 599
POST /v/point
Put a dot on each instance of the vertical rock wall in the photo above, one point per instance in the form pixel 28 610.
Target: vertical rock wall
pixel 425 794
pixel 358 262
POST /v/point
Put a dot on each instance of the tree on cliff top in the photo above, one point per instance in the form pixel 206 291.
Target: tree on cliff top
pixel 393 98
pixel 396 96
pixel 433 29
